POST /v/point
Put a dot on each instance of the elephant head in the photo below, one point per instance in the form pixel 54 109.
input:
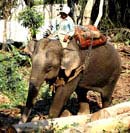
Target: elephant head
pixel 48 57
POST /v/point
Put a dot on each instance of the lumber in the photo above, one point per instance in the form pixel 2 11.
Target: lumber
pixel 57 123
pixel 117 124
pixel 107 119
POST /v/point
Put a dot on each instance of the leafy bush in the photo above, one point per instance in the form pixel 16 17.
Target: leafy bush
pixel 11 79
pixel 21 59
pixel 38 2
pixel 31 19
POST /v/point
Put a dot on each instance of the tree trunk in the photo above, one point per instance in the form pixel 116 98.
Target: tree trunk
pixel 2 3
pixel 76 13
pixel 88 11
pixel 80 17
pixel 29 3
pixel 4 35
pixel 100 13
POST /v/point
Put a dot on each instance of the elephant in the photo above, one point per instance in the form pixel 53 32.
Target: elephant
pixel 97 68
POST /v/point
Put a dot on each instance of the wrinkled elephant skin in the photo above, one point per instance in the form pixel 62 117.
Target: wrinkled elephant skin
pixel 100 74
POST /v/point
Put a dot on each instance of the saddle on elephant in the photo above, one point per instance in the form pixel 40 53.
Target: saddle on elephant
pixel 89 35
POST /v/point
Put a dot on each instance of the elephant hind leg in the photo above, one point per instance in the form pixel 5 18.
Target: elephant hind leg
pixel 107 95
pixel 83 102
pixel 65 113
pixel 84 108
pixel 107 92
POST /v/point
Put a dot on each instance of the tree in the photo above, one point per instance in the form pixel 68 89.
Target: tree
pixel 31 19
pixel 88 11
pixel 100 13
pixel 29 3
pixel 110 12
pixel 6 13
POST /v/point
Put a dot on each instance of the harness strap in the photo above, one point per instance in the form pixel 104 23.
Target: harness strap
pixel 61 81
pixel 78 70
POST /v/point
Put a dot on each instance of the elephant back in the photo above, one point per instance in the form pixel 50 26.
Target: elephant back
pixel 102 62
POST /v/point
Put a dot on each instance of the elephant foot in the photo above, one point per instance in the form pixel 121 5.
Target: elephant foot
pixel 84 109
pixel 65 113
pixel 95 97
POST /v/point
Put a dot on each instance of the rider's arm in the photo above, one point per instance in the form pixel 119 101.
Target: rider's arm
pixel 71 28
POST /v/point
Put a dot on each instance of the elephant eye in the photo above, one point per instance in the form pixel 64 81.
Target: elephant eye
pixel 48 68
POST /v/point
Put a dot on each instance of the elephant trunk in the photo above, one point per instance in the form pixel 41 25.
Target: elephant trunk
pixel 34 86
pixel 33 90
pixel 32 94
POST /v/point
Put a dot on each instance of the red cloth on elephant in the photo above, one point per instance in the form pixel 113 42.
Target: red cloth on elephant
pixel 86 39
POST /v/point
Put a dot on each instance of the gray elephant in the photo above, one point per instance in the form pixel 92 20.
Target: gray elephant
pixel 99 71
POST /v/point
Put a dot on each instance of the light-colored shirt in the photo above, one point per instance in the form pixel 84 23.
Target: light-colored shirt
pixel 63 26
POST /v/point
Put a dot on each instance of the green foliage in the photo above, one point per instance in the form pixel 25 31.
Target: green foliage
pixel 127 42
pixel 11 79
pixel 38 2
pixel 19 58
pixel 54 1
pixel 32 19
pixel 44 91
pixel 106 24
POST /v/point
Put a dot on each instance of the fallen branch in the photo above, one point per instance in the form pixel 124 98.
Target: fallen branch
pixel 117 124
pixel 111 111
pixel 56 123
pixel 101 120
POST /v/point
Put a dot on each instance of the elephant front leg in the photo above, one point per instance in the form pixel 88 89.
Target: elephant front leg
pixel 32 94
pixel 57 103
pixel 62 95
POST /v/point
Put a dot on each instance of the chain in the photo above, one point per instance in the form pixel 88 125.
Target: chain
pixel 88 55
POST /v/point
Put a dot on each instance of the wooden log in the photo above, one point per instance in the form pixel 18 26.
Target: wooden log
pixel 114 113
pixel 50 124
pixel 111 111
pixel 117 124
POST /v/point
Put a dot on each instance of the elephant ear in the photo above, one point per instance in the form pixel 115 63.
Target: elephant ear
pixel 29 49
pixel 71 58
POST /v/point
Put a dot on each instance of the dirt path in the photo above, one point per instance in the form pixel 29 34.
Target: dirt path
pixel 122 90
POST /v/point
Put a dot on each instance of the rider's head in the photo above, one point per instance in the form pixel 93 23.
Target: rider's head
pixel 65 12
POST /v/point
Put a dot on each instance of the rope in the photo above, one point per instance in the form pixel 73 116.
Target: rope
pixel 88 55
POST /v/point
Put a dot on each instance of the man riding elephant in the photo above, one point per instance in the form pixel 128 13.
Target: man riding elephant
pixel 62 27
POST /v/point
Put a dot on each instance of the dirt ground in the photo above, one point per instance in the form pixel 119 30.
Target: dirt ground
pixel 121 93
pixel 122 90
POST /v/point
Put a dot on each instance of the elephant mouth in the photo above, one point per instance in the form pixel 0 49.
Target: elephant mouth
pixel 62 79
